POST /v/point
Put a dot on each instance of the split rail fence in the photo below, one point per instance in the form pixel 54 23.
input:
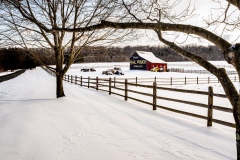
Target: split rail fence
pixel 130 89
pixel 176 81
pixel 182 70
pixel 167 81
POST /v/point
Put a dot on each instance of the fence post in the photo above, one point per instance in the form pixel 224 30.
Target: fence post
pixel 81 81
pixel 71 79
pixel 68 77
pixel 110 86
pixel 114 82
pixel 88 81
pixel 210 106
pixel 154 95
pixel 126 88
pixel 75 79
pixel 136 81
pixel 208 80
pixel 197 80
pixel 185 80
pixel 171 81
pixel 96 83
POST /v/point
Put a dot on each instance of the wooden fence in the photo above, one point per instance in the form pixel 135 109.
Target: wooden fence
pixel 197 65
pixel 124 88
pixel 197 71
pixel 173 81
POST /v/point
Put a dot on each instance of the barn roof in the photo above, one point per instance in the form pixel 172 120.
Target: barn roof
pixel 149 56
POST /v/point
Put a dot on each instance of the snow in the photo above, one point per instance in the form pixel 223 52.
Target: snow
pixel 92 125
pixel 8 72
pixel 149 56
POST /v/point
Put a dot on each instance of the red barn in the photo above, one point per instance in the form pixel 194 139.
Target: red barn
pixel 141 60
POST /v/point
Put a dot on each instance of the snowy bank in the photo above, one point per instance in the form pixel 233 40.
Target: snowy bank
pixel 92 125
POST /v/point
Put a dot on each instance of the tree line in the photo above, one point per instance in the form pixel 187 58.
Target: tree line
pixel 122 54
pixel 18 58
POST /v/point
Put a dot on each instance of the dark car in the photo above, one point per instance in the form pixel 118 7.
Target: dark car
pixel 92 70
pixel 85 70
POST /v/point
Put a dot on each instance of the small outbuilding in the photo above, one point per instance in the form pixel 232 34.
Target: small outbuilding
pixel 141 60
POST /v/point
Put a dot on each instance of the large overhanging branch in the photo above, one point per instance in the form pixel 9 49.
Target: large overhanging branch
pixel 220 73
pixel 234 2
pixel 188 29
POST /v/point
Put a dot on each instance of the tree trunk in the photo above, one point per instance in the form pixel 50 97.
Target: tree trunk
pixel 59 56
pixel 238 142
pixel 237 121
pixel 59 79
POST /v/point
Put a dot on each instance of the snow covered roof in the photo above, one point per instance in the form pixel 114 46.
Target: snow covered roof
pixel 149 56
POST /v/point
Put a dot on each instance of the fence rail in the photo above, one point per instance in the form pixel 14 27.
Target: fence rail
pixel 175 81
pixel 125 87
pixel 197 71
pixel 197 65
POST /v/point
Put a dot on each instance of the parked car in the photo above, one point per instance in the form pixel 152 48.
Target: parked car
pixel 160 69
pixel 113 71
pixel 85 70
pixel 118 72
pixel 92 70
pixel 107 72
pixel 117 68
pixel 154 69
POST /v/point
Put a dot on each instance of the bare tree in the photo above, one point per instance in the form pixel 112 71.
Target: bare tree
pixel 53 20
pixel 163 17
pixel 27 24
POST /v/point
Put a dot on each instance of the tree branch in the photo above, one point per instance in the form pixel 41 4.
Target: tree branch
pixel 188 29
pixel 235 3
pixel 220 73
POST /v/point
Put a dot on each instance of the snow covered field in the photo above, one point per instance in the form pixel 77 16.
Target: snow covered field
pixel 91 125
pixel 75 70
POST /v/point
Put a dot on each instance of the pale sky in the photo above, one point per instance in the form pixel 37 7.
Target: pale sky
pixel 204 8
